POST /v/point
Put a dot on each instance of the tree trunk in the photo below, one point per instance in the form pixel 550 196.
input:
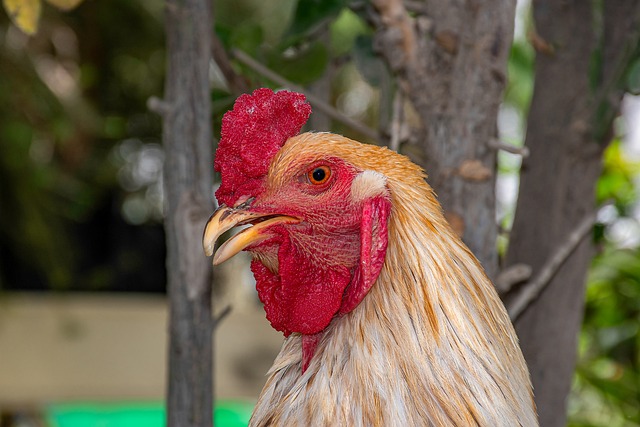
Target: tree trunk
pixel 566 137
pixel 188 178
pixel 451 60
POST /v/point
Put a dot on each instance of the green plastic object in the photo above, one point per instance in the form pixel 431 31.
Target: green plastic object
pixel 228 413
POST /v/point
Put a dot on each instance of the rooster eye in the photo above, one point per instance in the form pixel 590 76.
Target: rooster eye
pixel 319 175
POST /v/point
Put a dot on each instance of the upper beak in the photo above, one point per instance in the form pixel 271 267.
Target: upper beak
pixel 225 218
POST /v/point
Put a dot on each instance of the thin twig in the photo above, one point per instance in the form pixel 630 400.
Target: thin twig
pixel 158 106
pixel 314 100
pixel 531 290
pixel 322 87
pixel 415 6
pixel 511 276
pixel 499 145
pixel 237 84
pixel 396 121
pixel 221 316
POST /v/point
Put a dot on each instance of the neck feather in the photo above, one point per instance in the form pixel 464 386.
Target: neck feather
pixel 430 344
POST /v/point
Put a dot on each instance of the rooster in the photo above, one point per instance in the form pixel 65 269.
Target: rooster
pixel 389 319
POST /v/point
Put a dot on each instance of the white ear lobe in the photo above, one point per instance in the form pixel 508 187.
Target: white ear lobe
pixel 368 184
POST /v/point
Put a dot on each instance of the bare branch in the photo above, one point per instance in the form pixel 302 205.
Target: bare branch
pixel 314 100
pixel 237 84
pixel 396 121
pixel 511 276
pixel 220 317
pixel 415 6
pixel 158 106
pixel 322 87
pixel 499 145
pixel 531 290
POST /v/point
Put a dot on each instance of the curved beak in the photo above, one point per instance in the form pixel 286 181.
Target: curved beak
pixel 225 218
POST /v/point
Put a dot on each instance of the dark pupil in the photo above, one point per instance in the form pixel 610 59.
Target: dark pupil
pixel 318 174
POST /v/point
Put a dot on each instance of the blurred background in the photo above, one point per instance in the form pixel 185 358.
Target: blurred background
pixel 82 252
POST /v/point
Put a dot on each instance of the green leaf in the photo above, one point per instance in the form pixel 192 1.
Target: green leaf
pixel 310 14
pixel 344 31
pixel 224 33
pixel 221 101
pixel 618 175
pixel 247 37
pixel 633 78
pixel 301 66
pixel 521 75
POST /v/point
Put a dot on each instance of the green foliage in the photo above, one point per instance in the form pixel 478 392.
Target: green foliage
pixel 67 98
pixel 607 385
pixel 248 37
pixel 633 77
pixel 521 75
pixel 32 195
pixel 302 66
pixel 617 180
pixel 606 389
pixel 303 44
pixel 346 28
pixel 311 14
pixel 69 157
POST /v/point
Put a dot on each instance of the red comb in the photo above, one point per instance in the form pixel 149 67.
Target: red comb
pixel 252 133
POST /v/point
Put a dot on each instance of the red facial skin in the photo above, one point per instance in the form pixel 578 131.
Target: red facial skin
pixel 315 257
pixel 326 263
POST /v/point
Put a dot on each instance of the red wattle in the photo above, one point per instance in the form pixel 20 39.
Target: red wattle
pixel 373 249
pixel 302 297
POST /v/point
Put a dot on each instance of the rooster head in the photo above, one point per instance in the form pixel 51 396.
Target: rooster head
pixel 317 216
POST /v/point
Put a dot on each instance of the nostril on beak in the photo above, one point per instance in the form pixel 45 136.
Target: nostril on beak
pixel 244 202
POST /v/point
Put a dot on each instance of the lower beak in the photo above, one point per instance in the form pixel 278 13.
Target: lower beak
pixel 225 218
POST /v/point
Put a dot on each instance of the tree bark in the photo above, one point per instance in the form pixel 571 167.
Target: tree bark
pixel 187 137
pixel 565 138
pixel 451 59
